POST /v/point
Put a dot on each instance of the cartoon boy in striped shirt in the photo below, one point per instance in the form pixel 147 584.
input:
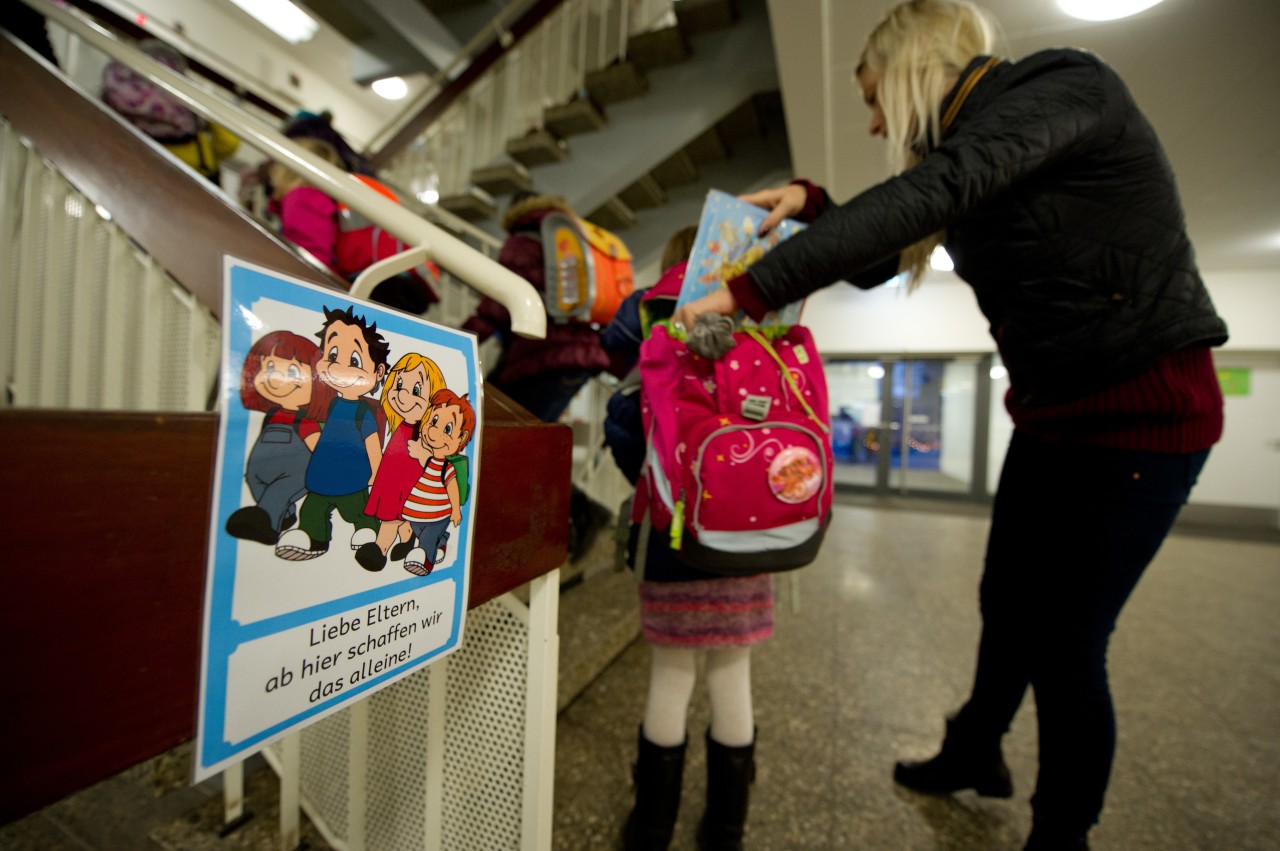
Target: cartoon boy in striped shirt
pixel 434 502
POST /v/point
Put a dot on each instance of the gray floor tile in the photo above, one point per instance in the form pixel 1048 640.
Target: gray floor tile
pixel 880 646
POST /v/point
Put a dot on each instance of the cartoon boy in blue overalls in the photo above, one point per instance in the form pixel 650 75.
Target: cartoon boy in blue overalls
pixel 353 362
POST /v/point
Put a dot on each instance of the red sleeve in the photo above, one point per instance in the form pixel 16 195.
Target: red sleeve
pixel 744 290
pixel 816 201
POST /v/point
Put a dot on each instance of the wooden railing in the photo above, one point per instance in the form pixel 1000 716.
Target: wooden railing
pixel 109 511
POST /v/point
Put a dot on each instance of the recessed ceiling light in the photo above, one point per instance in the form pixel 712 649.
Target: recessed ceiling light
pixel 1105 10
pixel 283 18
pixel 391 88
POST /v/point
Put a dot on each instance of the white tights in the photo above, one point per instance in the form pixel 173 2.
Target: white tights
pixel 672 674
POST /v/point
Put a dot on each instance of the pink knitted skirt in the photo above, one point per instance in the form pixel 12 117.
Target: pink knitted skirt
pixel 734 611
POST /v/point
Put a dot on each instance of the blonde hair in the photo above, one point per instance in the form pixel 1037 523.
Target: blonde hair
pixel 411 360
pixel 919 49
pixel 283 179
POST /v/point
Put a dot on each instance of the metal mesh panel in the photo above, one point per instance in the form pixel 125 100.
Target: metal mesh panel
pixel 484 743
pixel 398 728
pixel 90 321
pixel 325 777
pixel 484 740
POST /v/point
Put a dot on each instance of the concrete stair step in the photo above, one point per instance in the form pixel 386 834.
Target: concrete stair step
pixel 599 618
pixel 538 147
pixel 616 83
pixel 658 48
pixel 580 115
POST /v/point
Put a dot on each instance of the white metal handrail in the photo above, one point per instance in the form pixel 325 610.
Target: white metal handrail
pixel 528 315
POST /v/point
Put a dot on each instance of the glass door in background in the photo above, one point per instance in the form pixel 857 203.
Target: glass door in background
pixel 855 388
pixel 911 426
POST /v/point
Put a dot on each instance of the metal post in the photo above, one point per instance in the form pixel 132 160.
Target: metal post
pixel 232 795
pixel 540 712
pixel 358 775
pixel 290 791
pixel 437 704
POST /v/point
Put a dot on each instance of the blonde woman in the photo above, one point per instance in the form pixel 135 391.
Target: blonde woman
pixel 1055 200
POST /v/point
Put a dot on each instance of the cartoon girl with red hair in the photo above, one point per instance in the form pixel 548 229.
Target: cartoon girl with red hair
pixel 278 379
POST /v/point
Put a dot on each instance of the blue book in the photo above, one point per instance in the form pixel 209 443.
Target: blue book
pixel 726 244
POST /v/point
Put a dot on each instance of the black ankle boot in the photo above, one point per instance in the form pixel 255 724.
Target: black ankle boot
pixel 658 774
pixel 730 772
pixel 1048 838
pixel 960 764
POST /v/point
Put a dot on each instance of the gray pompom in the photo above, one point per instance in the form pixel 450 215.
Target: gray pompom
pixel 712 336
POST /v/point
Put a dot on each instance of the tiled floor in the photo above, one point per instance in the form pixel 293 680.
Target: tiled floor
pixel 874 644
pixel 880 646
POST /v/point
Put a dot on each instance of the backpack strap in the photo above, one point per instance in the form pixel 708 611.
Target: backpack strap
pixel 786 373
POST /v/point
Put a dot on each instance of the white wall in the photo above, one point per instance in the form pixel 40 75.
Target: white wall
pixel 942 317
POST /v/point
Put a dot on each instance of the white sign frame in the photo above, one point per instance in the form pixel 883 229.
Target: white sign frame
pixel 287 641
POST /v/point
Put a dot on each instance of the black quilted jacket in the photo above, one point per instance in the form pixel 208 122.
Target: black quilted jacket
pixel 1061 212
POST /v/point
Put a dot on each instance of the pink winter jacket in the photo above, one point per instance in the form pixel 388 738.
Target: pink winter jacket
pixel 309 219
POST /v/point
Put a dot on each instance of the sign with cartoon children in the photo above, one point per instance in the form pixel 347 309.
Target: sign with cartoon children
pixel 340 542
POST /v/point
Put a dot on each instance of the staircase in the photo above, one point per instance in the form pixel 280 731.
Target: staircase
pixel 690 105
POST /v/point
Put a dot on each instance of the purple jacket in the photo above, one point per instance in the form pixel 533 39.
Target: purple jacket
pixel 568 347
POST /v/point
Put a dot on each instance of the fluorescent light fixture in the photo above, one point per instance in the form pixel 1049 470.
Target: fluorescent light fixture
pixel 940 260
pixel 1105 10
pixel 391 88
pixel 875 371
pixel 282 18
pixel 428 196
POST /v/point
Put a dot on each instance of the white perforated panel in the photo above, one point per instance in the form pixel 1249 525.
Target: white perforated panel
pixel 483 753
pixel 484 743
pixel 90 321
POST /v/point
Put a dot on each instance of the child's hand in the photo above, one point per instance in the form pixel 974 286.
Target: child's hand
pixel 456 515
pixel 419 452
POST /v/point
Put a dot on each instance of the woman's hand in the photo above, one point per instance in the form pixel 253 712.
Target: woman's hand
pixel 720 301
pixel 781 203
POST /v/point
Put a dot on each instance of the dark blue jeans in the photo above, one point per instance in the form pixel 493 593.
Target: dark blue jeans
pixel 1073 529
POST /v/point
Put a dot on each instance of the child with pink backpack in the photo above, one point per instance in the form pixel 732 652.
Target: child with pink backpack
pixel 691 596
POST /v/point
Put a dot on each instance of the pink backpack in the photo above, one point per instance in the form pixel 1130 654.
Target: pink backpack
pixel 739 451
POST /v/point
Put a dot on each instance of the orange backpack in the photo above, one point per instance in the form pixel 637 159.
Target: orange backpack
pixel 588 270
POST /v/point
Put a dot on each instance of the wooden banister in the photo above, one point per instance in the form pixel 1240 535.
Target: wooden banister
pixel 104 572
pixel 184 222
pixel 107 514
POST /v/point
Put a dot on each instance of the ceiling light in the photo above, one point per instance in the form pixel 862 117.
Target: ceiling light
pixel 940 260
pixel 1104 10
pixel 282 18
pixel 391 88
